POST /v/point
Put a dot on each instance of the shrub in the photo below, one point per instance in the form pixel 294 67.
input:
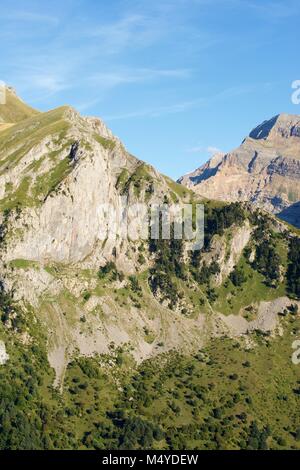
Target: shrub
pixel 237 277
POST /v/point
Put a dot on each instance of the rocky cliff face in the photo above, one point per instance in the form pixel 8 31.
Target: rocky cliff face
pixel 264 170
pixel 56 170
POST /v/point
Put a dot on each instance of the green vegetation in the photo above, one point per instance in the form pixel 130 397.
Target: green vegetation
pixel 108 144
pixel 23 264
pixel 18 140
pixel 6 307
pixel 122 180
pixel 220 218
pixel 109 269
pixel 134 284
pixel 231 298
pixel 49 182
pixel 168 267
pixel 267 262
pixel 14 110
pixel 4 226
pixel 223 397
pixel 237 277
pixel 293 272
pixel 139 180
pixel 273 273
pixel 178 191
pixel 28 194
pixel 19 197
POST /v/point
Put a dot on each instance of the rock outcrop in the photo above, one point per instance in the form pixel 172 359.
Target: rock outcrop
pixel 3 354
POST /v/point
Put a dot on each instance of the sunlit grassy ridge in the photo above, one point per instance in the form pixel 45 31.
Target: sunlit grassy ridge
pixel 17 141
pixel 14 110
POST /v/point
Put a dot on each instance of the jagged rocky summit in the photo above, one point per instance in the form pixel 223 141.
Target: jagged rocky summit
pixel 264 170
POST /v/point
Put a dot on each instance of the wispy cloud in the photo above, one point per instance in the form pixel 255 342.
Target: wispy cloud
pixel 107 81
pixel 90 46
pixel 187 105
pixel 211 150
pixel 99 51
pixel 51 75
pixel 49 83
pixel 29 17
pixel 195 149
pixel 130 31
pixel 158 111
pixel 113 79
pixel 270 9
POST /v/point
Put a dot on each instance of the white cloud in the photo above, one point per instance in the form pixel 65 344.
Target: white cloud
pixel 213 150
pixel 49 83
pixel 201 149
pixel 29 17
pixel 131 31
pixel 113 79
pixel 192 104
pixel 196 149
pixel 270 9
pixel 157 111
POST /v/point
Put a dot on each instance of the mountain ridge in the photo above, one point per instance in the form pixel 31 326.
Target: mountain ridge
pixel 264 170
pixel 14 109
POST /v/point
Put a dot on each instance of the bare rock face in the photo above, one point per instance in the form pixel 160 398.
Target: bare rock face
pixel 264 170
pixel 60 171
pixel 227 253
pixel 3 354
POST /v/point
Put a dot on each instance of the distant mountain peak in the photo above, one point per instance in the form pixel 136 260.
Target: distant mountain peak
pixel 264 170
pixel 281 126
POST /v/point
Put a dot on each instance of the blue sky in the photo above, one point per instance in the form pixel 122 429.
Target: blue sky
pixel 175 80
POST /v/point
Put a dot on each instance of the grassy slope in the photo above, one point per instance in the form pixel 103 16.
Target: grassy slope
pixel 267 385
pixel 23 136
pixel 15 110
pixel 231 299
pixel 17 141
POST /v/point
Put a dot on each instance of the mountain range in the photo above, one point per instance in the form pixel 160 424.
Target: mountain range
pixel 123 343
